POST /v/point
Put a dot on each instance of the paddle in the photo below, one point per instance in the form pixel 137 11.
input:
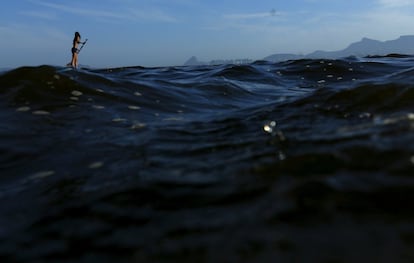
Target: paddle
pixel 81 46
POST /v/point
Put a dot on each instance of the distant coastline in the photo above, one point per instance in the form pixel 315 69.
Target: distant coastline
pixel 363 48
pixel 193 61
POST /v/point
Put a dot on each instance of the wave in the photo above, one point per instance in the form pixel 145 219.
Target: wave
pixel 181 158
pixel 183 99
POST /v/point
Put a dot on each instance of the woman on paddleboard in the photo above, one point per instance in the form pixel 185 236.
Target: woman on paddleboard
pixel 75 51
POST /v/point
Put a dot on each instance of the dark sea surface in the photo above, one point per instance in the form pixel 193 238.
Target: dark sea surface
pixel 298 161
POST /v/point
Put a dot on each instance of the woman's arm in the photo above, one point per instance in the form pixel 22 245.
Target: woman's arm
pixel 79 41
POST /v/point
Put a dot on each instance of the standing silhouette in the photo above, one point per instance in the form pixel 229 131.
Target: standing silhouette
pixel 75 50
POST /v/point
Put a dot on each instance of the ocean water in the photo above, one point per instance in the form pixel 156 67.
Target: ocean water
pixel 298 161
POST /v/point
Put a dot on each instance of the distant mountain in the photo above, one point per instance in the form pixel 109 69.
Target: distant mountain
pixel 365 47
pixel 193 61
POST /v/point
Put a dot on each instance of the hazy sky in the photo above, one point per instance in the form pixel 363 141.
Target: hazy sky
pixel 168 32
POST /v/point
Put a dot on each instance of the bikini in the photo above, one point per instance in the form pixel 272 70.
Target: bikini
pixel 74 49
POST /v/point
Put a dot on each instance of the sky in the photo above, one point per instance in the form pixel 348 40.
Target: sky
pixel 168 32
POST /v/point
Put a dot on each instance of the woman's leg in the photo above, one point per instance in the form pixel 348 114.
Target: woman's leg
pixel 75 60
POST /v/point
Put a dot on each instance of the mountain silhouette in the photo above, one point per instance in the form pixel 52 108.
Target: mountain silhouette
pixel 365 47
pixel 193 61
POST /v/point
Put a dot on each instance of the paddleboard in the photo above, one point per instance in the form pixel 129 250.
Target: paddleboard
pixel 64 69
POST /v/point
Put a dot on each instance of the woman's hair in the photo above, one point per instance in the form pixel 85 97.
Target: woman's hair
pixel 76 37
